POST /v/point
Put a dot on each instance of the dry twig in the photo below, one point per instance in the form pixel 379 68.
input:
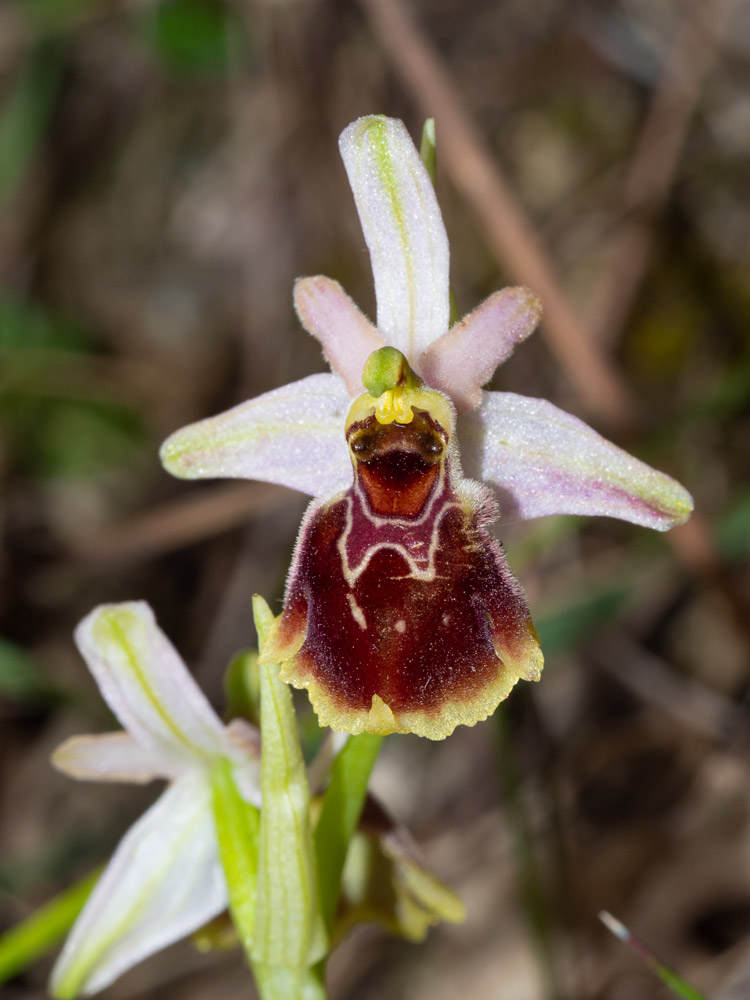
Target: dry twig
pixel 654 164
pixel 507 229
pixel 687 701
pixel 179 523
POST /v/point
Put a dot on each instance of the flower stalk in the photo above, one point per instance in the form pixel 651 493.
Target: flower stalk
pixel 676 983
pixel 238 835
pixel 340 813
pixel 289 931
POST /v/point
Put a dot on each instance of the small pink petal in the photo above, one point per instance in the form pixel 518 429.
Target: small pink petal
pixel 544 461
pixel 164 881
pixel 346 334
pixel 463 359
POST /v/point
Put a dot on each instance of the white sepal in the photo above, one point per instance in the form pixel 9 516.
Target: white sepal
pixel 163 882
pixel 112 757
pixel 403 230
pixel 293 436
pixel 543 461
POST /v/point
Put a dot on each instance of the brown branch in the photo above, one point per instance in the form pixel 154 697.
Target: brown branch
pixel 654 164
pixel 179 523
pixel 509 233
pixel 198 516
pixel 694 547
pixel 686 700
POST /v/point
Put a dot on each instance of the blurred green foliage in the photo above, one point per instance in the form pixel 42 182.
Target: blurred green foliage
pixel 20 675
pixel 80 438
pixel 51 15
pixel 30 939
pixel 562 630
pixel 25 328
pixel 25 114
pixel 733 529
pixel 48 426
pixel 194 38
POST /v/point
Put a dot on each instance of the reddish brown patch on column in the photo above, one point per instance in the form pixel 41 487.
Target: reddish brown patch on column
pixel 398 464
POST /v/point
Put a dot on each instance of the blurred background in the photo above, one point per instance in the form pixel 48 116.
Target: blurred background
pixel 167 168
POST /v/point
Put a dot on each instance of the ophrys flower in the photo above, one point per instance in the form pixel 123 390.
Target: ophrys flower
pixel 537 459
pixel 165 879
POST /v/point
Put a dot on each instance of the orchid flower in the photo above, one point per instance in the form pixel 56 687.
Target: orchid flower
pixel 170 874
pixel 401 613
pixel 165 879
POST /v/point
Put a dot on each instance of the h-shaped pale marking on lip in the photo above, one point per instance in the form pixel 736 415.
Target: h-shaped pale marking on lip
pixel 417 572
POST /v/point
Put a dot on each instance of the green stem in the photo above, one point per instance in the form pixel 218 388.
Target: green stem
pixel 428 149
pixel 342 807
pixel 289 934
pixel 284 882
pixel 671 979
pixel 276 983
pixel 428 155
pixel 25 942
pixel 534 898
pixel 237 832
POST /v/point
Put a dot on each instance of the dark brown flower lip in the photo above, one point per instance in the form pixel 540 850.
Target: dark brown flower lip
pixel 394 627
pixel 401 614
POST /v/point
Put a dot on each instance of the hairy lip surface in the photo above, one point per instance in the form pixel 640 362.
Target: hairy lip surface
pixel 423 641
pixel 407 609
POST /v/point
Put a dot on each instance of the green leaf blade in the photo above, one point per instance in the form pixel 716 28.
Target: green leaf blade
pixel 342 808
pixel 237 831
pixel 27 941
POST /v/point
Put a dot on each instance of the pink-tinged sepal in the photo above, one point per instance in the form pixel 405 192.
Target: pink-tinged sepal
pixel 290 436
pixel 403 229
pixel 401 614
pixel 543 461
